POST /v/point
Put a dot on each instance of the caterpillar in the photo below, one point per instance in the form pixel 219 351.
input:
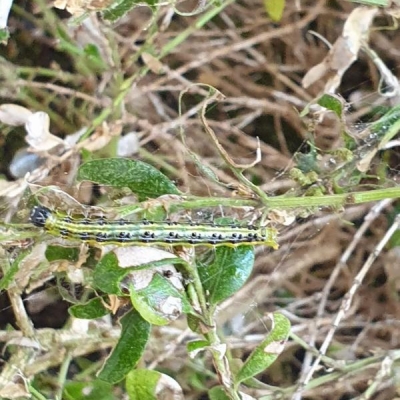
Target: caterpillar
pixel 100 231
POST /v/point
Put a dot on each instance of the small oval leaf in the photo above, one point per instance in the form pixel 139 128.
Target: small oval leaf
pixel 94 308
pixel 160 302
pixel 129 349
pixel 268 350
pixel 107 275
pixel 10 271
pixel 218 393
pixel 333 103
pixel 227 273
pixel 196 346
pixel 88 390
pixel 142 384
pixel 275 9
pixel 54 253
pixel 142 179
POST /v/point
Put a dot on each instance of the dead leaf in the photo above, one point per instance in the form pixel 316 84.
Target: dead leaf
pixel 345 50
pixel 39 136
pixel 14 115
pixel 153 63
pixel 79 7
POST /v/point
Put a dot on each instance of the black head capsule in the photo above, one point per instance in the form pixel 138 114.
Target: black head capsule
pixel 39 216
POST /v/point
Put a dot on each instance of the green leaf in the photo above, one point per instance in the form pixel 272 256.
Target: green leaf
pixel 107 275
pixel 94 308
pixel 197 345
pixel 129 349
pixel 194 323
pixel 274 9
pixel 4 35
pixel 93 54
pixel 332 103
pixel 386 127
pixel 9 271
pixel 92 390
pixel 160 302
pixel 142 384
pixel 227 273
pixel 218 393
pixel 54 253
pixel 268 350
pixel 141 178
pixel 86 155
pixel 118 9
pixel 146 311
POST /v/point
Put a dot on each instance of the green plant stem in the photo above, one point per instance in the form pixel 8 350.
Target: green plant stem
pixel 62 76
pixel 219 356
pixel 36 394
pixel 333 200
pixel 62 376
pixel 193 273
pixel 283 202
pixel 221 363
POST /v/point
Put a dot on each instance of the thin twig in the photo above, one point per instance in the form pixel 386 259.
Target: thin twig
pixel 348 298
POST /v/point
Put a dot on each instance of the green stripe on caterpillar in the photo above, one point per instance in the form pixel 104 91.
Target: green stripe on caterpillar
pixel 100 231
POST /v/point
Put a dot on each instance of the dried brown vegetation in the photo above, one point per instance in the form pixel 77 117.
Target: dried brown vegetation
pixel 259 67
